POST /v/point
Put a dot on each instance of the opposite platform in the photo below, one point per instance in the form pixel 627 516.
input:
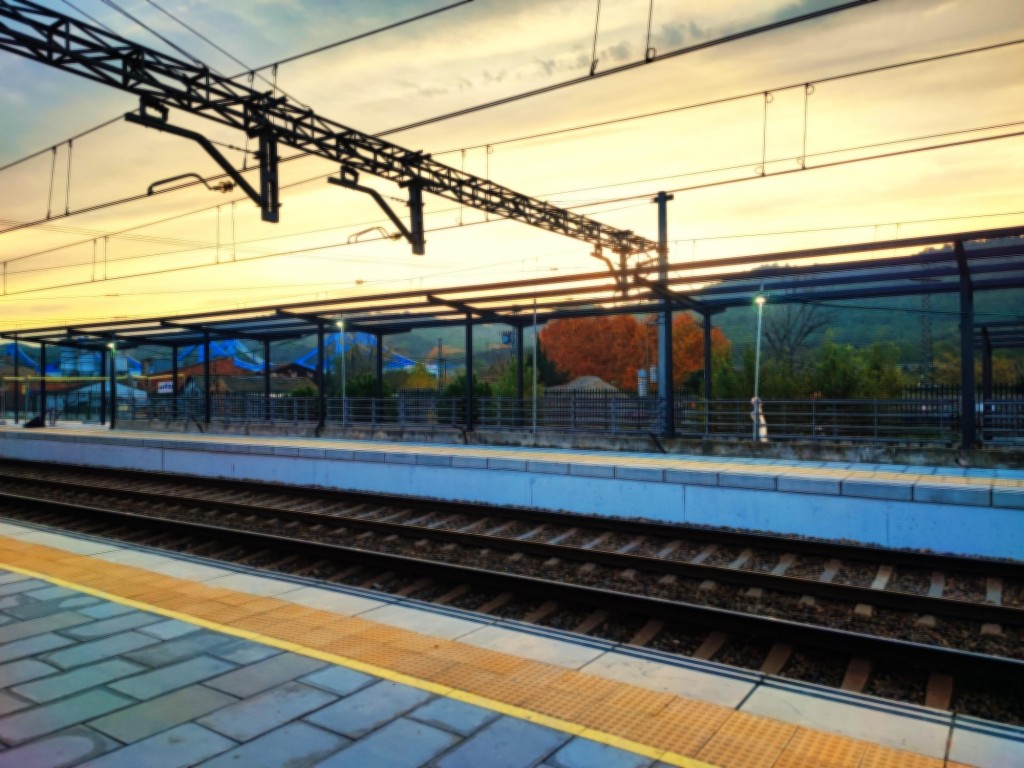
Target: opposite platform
pixel 964 511
pixel 110 652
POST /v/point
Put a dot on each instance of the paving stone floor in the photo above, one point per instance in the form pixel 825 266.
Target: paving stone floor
pixel 86 682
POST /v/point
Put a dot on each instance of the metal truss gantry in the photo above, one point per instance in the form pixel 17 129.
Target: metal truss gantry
pixel 163 82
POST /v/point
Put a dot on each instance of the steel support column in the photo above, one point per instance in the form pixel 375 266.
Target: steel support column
pixel 113 387
pixel 986 382
pixel 520 385
pixel 469 372
pixel 986 366
pixel 266 379
pixel 708 372
pixel 174 382
pixel 666 390
pixel 321 379
pixel 42 381
pixel 378 390
pixel 708 360
pixel 207 410
pixel 17 382
pixel 103 387
pixel 968 417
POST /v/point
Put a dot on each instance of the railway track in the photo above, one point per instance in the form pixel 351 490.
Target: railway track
pixel 721 595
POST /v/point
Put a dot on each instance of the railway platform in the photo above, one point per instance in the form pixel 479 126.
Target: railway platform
pixel 118 655
pixel 953 509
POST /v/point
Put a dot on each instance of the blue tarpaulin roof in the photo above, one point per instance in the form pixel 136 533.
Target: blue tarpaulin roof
pixel 392 360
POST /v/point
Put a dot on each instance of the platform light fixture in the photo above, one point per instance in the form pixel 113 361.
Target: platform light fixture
pixel 760 301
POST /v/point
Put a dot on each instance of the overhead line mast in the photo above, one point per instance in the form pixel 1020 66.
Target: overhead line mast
pixel 163 82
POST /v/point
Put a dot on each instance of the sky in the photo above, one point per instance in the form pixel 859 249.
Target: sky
pixel 194 249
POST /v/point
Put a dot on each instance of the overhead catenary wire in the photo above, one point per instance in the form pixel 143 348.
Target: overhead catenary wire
pixel 845 227
pixel 93 19
pixel 597 29
pixel 593 75
pixel 171 270
pixel 596 202
pixel 648 50
pixel 727 99
pixel 839 151
pixel 823 153
pixel 173 188
pixel 13 297
pixel 834 164
pixel 364 35
pixel 67 181
pixel 176 19
pixel 807 85
pixel 199 246
pixel 164 40
pixel 585 126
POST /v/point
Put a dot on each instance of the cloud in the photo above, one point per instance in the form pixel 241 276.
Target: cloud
pixel 618 52
pixel 682 33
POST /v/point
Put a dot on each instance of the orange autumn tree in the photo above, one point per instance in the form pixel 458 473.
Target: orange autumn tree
pixel 609 347
pixel 615 348
pixel 688 347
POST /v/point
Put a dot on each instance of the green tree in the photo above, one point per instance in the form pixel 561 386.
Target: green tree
pixel 505 379
pixel 838 371
pixel 363 385
pixel 883 378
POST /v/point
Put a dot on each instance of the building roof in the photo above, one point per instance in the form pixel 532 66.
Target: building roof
pixel 584 384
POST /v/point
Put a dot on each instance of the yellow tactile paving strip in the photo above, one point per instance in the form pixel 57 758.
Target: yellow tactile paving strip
pixel 669 728
pixel 568 456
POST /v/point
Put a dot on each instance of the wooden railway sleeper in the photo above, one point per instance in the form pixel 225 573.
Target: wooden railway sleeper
pixel 415 587
pixel 453 594
pixel 858 675
pixel 591 622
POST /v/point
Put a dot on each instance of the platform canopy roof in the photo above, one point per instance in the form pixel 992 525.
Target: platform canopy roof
pixel 979 260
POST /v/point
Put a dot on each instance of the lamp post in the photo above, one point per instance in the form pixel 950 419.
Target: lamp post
pixel 341 347
pixel 760 301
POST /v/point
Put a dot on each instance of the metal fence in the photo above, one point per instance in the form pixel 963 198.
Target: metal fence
pixel 877 421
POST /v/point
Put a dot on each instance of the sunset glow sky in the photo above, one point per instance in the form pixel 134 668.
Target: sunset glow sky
pixel 223 256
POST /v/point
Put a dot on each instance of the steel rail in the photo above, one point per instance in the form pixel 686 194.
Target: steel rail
pixel 782 630
pixel 904 601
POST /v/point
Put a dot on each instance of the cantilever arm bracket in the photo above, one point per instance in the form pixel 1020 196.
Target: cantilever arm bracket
pixel 620 273
pixel 268 201
pixel 349 179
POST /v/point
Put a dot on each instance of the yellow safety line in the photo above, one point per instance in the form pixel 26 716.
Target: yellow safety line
pixel 510 710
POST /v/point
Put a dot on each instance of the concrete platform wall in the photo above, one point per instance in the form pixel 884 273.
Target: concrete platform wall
pixel 944 517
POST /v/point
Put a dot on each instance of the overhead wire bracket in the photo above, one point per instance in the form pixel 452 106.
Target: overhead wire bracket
pixel 348 178
pixel 267 198
pixel 620 273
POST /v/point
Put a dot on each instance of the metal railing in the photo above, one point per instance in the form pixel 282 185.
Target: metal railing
pixel 877 421
pixel 593 412
pixel 874 421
